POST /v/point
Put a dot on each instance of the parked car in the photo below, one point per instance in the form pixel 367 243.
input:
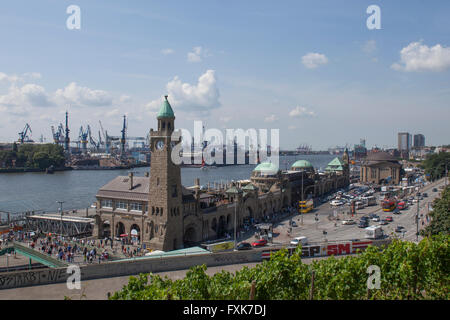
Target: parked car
pixel 259 243
pixel 349 221
pixel 435 190
pixel 396 211
pixel 425 195
pixel 243 246
pixel 389 219
pixel 363 223
pixel 376 219
pixel 336 203
pixel 383 222
pixel 399 229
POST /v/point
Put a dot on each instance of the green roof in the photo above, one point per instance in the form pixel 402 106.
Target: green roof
pixel 249 187
pixel 267 168
pixel 335 165
pixel 233 189
pixel 302 164
pixel 166 110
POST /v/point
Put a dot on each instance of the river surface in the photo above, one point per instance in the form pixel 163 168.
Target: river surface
pixel 20 192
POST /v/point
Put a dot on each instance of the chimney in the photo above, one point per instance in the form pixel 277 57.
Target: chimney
pixel 130 176
pixel 197 182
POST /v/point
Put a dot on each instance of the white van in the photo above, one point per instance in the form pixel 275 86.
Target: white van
pixel 299 240
pixel 374 232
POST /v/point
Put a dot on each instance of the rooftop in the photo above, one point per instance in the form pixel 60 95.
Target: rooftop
pixel 166 110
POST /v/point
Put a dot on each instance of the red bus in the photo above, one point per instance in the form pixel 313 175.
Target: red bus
pixel 389 205
pixel 402 205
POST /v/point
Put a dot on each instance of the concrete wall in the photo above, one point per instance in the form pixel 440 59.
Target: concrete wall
pixel 133 267
pixel 123 268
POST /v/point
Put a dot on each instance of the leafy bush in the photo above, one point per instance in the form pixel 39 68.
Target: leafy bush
pixel 408 271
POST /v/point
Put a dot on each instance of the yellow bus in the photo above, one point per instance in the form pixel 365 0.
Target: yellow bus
pixel 305 206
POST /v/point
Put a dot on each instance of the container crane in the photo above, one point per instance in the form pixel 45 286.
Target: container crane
pixel 83 136
pixel 23 136
pixel 123 138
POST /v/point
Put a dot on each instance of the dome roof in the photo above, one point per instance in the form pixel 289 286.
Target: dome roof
pixel 302 164
pixel 166 110
pixel 380 156
pixel 267 168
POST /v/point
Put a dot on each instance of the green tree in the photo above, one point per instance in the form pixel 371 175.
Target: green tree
pixel 440 216
pixel 434 165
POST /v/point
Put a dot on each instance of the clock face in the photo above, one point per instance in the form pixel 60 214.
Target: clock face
pixel 160 145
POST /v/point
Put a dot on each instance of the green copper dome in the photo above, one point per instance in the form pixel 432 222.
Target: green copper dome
pixel 266 168
pixel 302 164
pixel 166 110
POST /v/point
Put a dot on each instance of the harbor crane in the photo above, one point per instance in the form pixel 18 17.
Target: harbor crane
pixel 123 138
pixel 92 141
pixel 83 136
pixel 23 136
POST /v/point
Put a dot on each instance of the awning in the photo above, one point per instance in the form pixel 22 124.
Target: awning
pixel 134 232
pixel 124 235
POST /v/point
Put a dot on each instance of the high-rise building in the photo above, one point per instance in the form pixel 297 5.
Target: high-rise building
pixel 404 143
pixel 419 140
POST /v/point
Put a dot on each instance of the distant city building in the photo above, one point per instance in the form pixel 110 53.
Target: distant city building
pixel 404 143
pixel 419 141
pixel 360 150
pixel 380 168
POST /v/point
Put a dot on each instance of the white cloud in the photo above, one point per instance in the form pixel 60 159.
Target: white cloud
pixel 167 51
pixel 83 96
pixel 200 97
pixel 271 118
pixel 27 95
pixel 225 119
pixel 197 54
pixel 419 57
pixel 124 98
pixel 32 75
pixel 313 60
pixel 9 78
pixel 299 112
pixel 370 46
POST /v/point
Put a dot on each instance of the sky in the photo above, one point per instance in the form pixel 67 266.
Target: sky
pixel 312 69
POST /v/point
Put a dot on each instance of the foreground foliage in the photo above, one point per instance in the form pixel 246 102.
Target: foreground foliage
pixel 408 271
pixel 440 216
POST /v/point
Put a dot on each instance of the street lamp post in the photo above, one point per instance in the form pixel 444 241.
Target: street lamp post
pixel 417 219
pixel 61 208
pixel 301 213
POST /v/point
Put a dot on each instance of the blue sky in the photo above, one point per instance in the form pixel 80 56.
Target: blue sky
pixel 309 68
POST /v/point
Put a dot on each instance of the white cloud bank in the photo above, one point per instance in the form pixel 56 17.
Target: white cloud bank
pixel 299 112
pixel 418 57
pixel 82 96
pixel 313 60
pixel 197 54
pixel 200 97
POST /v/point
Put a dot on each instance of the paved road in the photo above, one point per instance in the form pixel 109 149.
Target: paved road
pixel 313 230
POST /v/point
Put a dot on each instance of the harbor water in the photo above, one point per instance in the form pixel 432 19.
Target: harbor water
pixel 20 192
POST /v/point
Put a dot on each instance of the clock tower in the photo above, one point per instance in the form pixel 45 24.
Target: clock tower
pixel 165 208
